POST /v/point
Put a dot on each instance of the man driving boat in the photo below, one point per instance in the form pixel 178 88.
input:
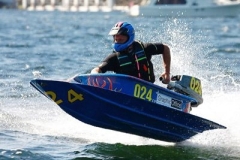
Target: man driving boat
pixel 133 57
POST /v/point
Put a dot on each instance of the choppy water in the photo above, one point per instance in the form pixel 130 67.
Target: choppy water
pixel 58 45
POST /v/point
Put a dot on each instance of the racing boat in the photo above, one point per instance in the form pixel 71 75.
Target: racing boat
pixel 131 105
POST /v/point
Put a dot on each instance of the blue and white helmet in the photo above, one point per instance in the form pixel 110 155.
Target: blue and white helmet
pixel 123 28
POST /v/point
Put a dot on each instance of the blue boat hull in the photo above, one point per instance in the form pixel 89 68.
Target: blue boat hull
pixel 122 112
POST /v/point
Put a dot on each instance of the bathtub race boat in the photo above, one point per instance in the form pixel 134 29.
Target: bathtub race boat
pixel 130 105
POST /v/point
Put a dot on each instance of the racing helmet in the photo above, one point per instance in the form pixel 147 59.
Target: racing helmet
pixel 122 28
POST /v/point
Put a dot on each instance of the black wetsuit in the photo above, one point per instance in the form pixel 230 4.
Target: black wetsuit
pixel 112 63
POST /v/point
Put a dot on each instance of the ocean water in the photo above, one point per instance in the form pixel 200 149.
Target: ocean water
pixel 59 45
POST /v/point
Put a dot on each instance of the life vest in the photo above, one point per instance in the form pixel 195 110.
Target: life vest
pixel 136 64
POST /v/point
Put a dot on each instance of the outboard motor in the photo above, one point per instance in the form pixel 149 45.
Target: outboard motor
pixel 187 85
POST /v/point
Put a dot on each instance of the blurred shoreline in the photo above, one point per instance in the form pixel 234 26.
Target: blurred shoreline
pixel 71 5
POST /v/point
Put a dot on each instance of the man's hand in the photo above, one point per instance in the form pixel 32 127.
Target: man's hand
pixel 96 70
pixel 165 78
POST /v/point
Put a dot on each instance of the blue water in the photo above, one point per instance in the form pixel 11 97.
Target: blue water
pixel 58 45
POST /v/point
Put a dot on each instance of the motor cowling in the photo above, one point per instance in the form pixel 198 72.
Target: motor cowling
pixel 187 85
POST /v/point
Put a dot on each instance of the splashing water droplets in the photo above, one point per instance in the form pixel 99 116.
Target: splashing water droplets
pixel 183 47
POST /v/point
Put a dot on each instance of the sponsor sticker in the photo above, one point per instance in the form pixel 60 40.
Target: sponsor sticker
pixel 167 101
pixel 176 103
pixel 163 100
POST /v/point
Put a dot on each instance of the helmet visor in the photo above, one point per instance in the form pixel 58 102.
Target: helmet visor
pixel 118 30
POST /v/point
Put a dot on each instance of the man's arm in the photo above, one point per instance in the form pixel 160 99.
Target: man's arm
pixel 108 64
pixel 166 64
pixel 96 70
